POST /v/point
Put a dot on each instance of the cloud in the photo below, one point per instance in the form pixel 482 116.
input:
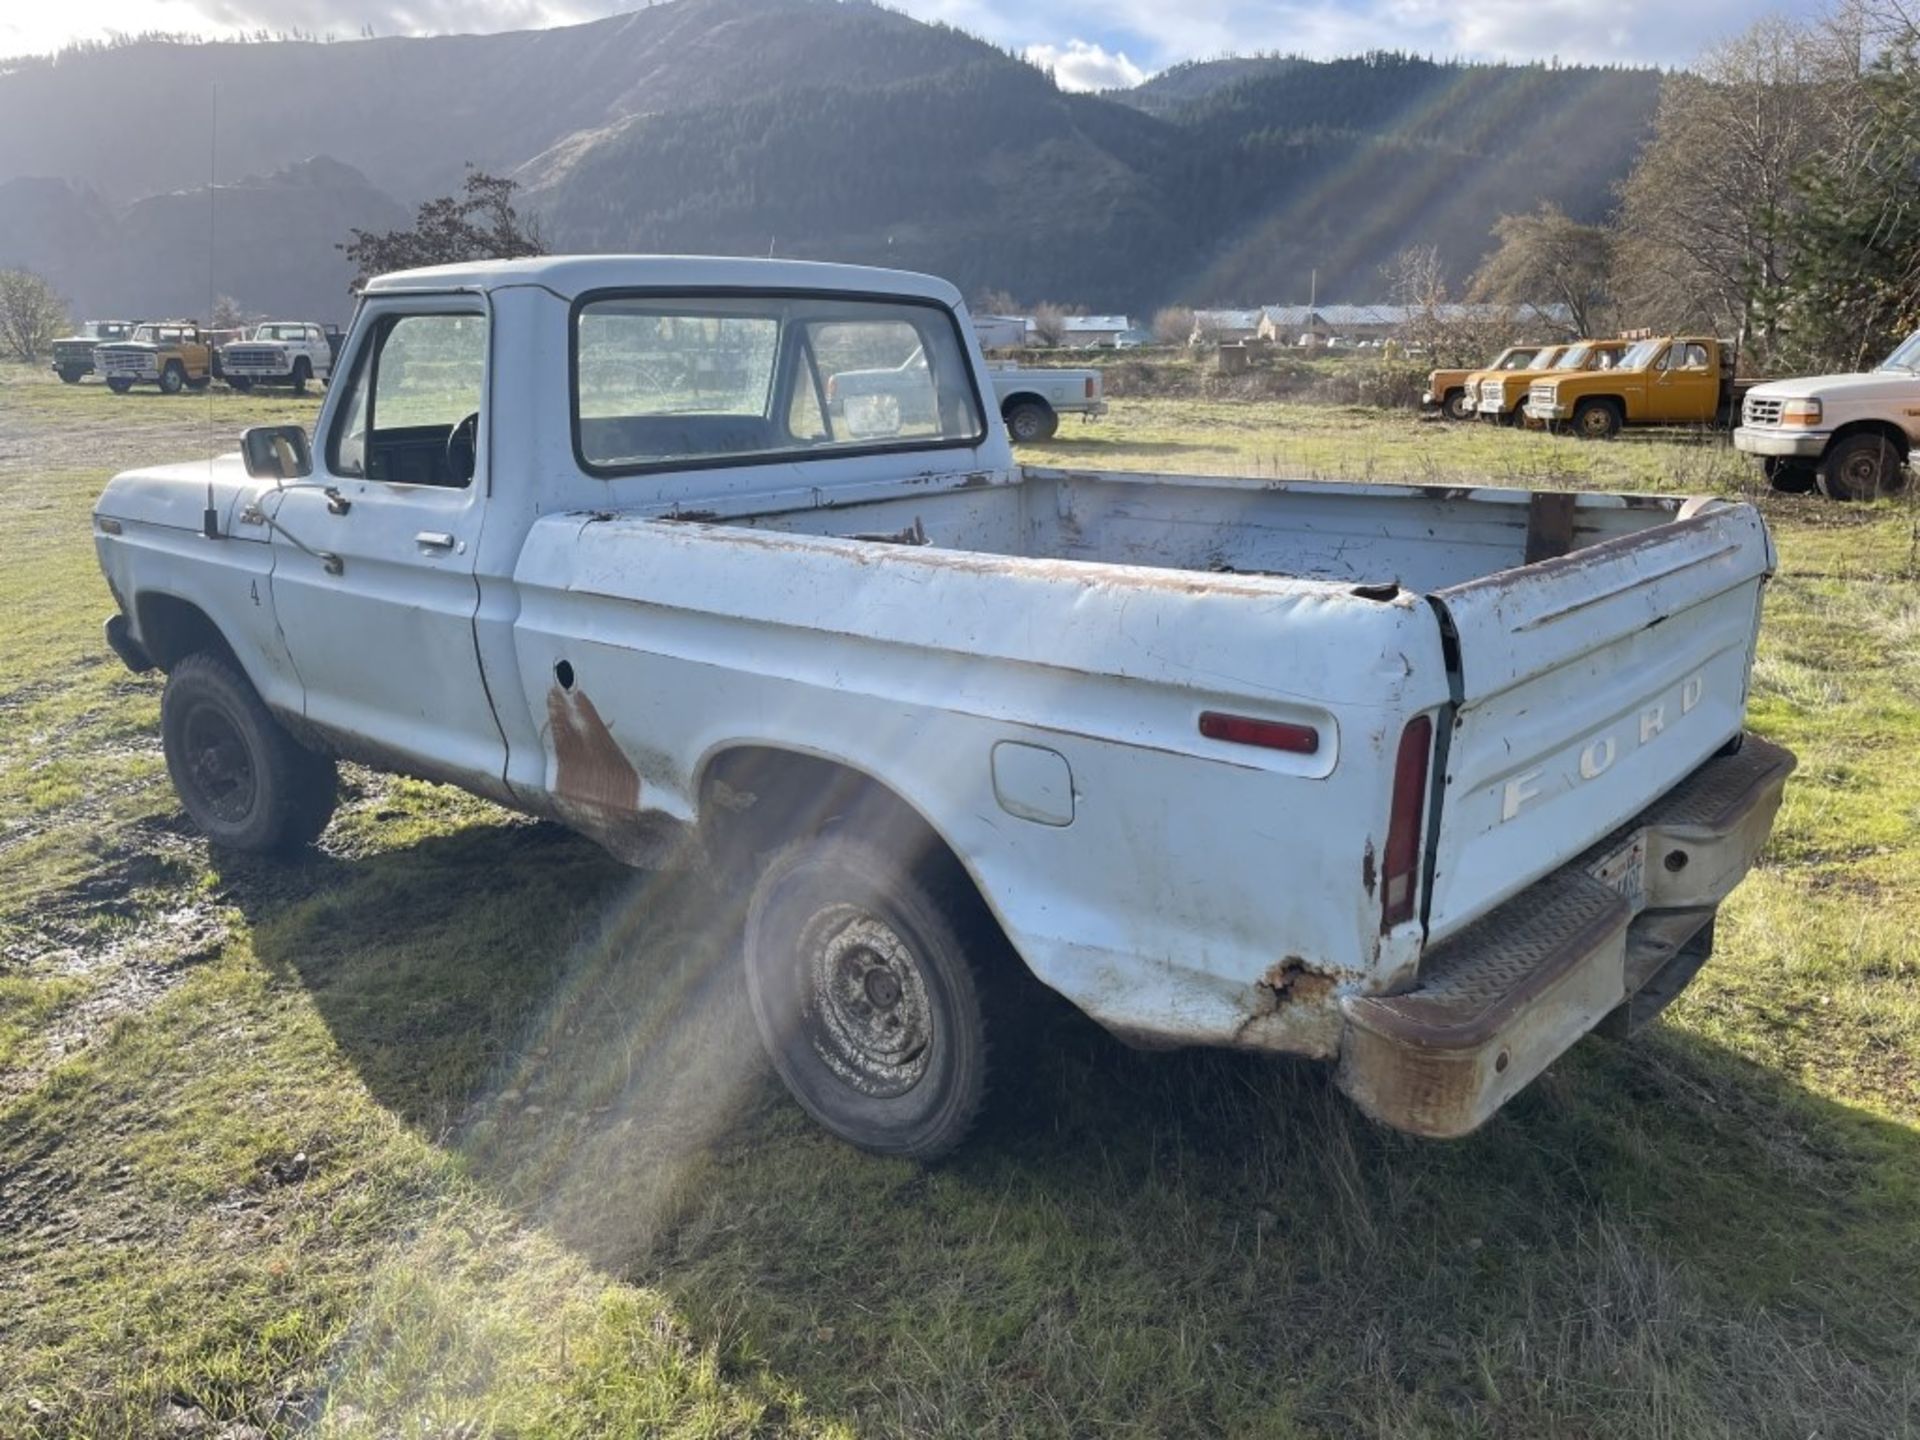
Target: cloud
pixel 1082 65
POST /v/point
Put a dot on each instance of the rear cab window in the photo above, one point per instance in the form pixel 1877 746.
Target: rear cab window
pixel 675 381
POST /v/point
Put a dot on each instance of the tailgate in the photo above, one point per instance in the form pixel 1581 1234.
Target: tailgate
pixel 1586 687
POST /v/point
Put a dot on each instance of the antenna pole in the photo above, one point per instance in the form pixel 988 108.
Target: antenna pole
pixel 210 517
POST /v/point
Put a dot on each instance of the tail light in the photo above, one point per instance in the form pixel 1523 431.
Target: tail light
pixel 1400 870
pixel 1093 385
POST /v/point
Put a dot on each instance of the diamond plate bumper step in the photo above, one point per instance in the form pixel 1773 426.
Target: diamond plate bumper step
pixel 1499 1002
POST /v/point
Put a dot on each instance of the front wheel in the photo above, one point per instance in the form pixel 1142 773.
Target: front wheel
pixel 119 384
pixel 302 372
pixel 1861 467
pixel 1030 422
pixel 70 374
pixel 200 384
pixel 865 997
pixel 1596 420
pixel 243 779
pixel 240 383
pixel 173 379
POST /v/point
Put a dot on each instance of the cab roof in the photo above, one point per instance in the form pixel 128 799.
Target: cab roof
pixel 570 276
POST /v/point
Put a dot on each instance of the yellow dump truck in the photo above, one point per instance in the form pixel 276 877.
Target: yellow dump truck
pixel 1447 389
pixel 1661 380
pixel 1503 396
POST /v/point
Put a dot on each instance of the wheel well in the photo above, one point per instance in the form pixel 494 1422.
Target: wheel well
pixel 172 629
pixel 755 798
pixel 1024 397
pixel 1613 400
pixel 1887 431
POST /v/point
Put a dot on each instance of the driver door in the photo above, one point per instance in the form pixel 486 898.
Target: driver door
pixel 373 577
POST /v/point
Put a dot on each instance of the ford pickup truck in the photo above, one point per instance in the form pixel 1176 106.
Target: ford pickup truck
pixel 1851 435
pixel 1425 783
pixel 279 352
pixel 73 354
pixel 176 355
pixel 1661 380
pixel 1031 401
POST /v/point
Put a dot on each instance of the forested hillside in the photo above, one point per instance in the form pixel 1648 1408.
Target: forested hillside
pixel 821 129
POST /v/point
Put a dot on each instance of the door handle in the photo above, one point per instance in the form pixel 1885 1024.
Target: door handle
pixel 434 539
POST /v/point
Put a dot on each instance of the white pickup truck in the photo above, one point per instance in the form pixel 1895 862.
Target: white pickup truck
pixel 280 352
pixel 1425 782
pixel 1850 435
pixel 1031 401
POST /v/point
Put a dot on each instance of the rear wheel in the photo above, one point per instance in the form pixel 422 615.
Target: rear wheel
pixel 173 379
pixel 241 383
pixel 865 995
pixel 243 779
pixel 1030 422
pixel 1454 407
pixel 119 384
pixel 1861 467
pixel 1596 420
pixel 1789 476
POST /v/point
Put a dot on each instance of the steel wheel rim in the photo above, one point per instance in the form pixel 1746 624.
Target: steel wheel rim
pixel 1594 422
pixel 865 1006
pixel 219 763
pixel 1861 476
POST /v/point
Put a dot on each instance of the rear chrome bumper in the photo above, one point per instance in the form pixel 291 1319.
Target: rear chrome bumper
pixel 1618 932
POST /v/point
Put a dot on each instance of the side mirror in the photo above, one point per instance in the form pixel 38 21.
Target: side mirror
pixel 276 452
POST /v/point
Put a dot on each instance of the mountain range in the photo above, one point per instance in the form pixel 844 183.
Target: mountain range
pixel 810 128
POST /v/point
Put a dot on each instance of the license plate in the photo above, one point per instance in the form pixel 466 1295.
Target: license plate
pixel 1625 871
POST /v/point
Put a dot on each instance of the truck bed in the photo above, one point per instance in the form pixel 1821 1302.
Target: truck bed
pixel 1421 538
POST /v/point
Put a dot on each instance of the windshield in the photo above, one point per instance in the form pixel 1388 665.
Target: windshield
pixel 1641 355
pixel 279 332
pixel 1906 356
pixel 1575 358
pixel 1516 359
pixel 146 332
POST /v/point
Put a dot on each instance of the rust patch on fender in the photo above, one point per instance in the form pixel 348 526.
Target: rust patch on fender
pixel 1292 982
pixel 590 767
pixel 1293 1007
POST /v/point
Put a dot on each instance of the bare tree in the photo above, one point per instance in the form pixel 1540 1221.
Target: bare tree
pixel 228 313
pixel 1049 323
pixel 1703 237
pixel 1173 325
pixel 31 315
pixel 1545 259
pixel 480 224
pixel 1451 334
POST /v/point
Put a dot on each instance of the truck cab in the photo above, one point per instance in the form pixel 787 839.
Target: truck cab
pixel 1850 435
pixel 1659 380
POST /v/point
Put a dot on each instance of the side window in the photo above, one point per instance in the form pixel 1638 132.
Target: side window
pixel 410 413
pixel 660 382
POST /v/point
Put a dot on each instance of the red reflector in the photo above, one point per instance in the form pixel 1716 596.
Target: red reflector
pixel 1268 734
pixel 1400 867
pixel 1092 385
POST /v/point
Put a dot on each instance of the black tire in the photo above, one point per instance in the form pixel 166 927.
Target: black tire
pixel 1861 467
pixel 1596 419
pixel 173 379
pixel 242 778
pixel 70 374
pixel 302 372
pixel 198 385
pixel 240 383
pixel 866 997
pixel 119 384
pixel 1787 475
pixel 1454 406
pixel 1031 422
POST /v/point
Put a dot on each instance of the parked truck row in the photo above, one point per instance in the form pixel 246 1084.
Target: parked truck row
pixel 176 355
pixel 1848 436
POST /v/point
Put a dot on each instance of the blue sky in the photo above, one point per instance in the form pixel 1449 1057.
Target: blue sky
pixel 1089 43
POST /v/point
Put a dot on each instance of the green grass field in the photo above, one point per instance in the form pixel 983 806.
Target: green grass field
pixel 455 1128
